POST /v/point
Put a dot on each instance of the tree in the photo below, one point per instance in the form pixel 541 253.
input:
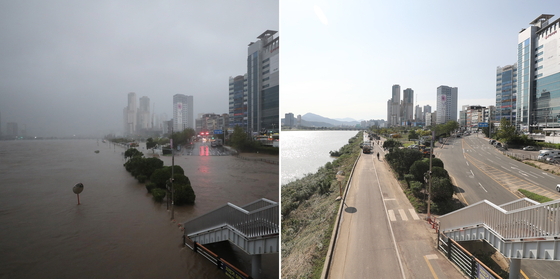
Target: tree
pixel 132 152
pixel 238 138
pixel 412 135
pixel 402 159
pixel 419 169
pixel 442 189
pixel 507 131
pixel 160 176
pixel 184 193
pixel 391 143
pixel 150 144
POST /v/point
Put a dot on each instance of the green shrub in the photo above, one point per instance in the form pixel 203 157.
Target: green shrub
pixel 439 172
pixel 162 175
pixel 142 178
pixel 158 194
pixel 184 194
pixel 150 186
pixel 442 189
pixel 419 169
pixel 416 187
pixel 408 178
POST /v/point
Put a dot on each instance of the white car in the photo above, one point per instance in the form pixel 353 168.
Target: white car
pixel 529 148
pixel 558 187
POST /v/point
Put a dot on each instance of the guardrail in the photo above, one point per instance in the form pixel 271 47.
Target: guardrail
pixel 262 219
pixel 535 221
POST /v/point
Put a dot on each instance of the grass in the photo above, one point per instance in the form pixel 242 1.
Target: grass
pixel 535 197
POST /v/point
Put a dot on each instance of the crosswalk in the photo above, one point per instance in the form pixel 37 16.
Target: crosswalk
pixel 402 215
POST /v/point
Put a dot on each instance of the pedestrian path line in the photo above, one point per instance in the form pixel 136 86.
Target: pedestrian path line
pixel 403 215
pixel 413 213
pixel 392 215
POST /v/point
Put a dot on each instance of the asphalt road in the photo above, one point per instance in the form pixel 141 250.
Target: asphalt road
pixel 380 234
pixel 481 172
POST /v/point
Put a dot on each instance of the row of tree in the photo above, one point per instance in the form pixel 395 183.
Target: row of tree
pixel 410 165
pixel 152 169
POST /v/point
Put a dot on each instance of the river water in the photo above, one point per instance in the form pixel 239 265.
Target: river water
pixel 304 152
pixel 117 231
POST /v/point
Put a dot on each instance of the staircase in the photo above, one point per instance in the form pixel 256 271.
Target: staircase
pixel 521 229
pixel 253 227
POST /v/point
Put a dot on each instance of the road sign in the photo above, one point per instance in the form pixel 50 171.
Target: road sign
pixel 218 132
pixel 482 124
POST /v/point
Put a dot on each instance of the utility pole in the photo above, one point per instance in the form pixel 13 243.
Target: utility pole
pixel 430 173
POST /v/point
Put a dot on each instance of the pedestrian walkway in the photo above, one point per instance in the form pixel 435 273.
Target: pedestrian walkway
pixel 403 215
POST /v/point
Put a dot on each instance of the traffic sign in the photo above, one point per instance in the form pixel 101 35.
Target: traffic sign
pixel 218 132
pixel 482 124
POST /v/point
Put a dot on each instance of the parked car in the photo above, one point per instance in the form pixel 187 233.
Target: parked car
pixel 530 148
pixel 552 159
pixel 558 187
pixel 491 141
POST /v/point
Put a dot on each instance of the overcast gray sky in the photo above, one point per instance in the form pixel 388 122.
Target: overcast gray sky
pixel 66 67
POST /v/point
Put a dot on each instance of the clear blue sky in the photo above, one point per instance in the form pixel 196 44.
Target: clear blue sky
pixel 340 58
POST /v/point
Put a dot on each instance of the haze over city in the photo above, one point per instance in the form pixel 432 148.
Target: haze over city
pixel 340 59
pixel 66 67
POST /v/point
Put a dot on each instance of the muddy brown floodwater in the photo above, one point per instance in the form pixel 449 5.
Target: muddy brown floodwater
pixel 117 231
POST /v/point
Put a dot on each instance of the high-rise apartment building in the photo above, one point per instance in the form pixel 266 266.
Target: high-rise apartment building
pixel 143 114
pixel 506 93
pixel 289 120
pixel 538 79
pixel 446 104
pixel 129 115
pixel 408 106
pixel 262 83
pixel 394 119
pixel 238 102
pixel 183 114
pixel 418 115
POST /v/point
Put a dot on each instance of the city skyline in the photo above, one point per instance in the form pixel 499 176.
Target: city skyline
pixel 364 50
pixel 67 66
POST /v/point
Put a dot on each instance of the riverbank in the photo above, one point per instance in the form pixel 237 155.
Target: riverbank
pixel 309 208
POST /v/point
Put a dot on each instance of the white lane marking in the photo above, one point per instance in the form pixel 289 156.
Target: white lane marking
pixel 389 199
pixel 403 215
pixel 467 162
pixel 548 175
pixel 490 160
pixel 472 173
pixel 536 174
pixel 392 215
pixel 413 213
pixel 482 187
pixel 463 150
pixel 505 168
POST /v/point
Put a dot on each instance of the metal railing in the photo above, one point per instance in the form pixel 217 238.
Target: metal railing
pixel 467 263
pixel 534 221
pixel 517 204
pixel 261 219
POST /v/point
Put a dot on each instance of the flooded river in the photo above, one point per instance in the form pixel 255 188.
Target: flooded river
pixel 118 231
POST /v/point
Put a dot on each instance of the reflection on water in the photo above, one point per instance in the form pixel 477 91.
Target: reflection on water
pixel 117 230
pixel 304 152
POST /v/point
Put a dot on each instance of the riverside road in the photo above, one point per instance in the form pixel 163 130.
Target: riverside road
pixel 380 235
pixel 481 172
